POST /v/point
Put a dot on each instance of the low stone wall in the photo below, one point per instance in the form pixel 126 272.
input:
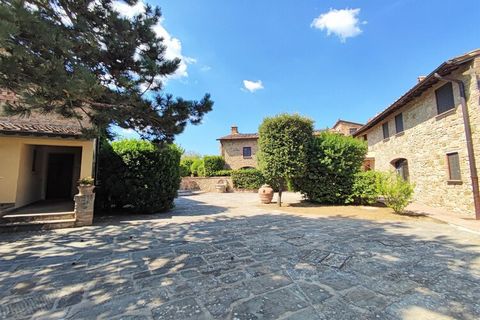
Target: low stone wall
pixel 206 184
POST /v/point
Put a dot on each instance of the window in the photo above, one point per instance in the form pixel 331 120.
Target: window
pixel 247 152
pixel 399 123
pixel 401 167
pixel 444 96
pixel 386 134
pixel 352 130
pixel 365 138
pixel 453 167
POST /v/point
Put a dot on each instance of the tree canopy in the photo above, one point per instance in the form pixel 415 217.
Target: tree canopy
pixel 82 59
pixel 284 142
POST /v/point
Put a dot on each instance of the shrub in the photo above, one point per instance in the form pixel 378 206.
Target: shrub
pixel 396 191
pixel 198 168
pixel 213 164
pixel 146 177
pixel 333 161
pixel 365 188
pixel 185 167
pixel 249 179
pixel 223 173
pixel 184 170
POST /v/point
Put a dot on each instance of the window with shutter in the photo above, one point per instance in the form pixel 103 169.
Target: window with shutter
pixel 247 152
pixel 399 123
pixel 454 167
pixel 386 134
pixel 444 97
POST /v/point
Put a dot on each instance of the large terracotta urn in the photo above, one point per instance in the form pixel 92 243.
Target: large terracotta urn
pixel 266 193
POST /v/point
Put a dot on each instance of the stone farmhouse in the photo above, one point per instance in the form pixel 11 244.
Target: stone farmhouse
pixel 42 158
pixel 240 149
pixel 431 136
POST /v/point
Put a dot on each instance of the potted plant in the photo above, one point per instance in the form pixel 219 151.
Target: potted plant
pixel 85 186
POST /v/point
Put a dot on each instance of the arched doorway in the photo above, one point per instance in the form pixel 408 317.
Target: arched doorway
pixel 401 167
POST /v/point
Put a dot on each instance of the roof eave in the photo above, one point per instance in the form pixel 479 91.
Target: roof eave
pixel 429 81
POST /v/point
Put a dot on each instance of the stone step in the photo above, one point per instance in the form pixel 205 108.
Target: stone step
pixel 34 217
pixel 36 225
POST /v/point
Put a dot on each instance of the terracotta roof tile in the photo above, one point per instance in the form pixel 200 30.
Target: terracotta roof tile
pixel 38 123
pixel 240 136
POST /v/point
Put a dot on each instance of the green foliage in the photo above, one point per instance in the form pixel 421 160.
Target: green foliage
pixel 284 142
pixel 138 175
pixel 396 192
pixel 213 164
pixel 83 60
pixel 332 163
pixel 198 168
pixel 184 169
pixel 248 179
pixel 223 173
pixel 365 188
pixel 86 181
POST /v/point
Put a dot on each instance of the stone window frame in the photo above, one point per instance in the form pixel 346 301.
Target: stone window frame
pixel 448 168
pixel 243 152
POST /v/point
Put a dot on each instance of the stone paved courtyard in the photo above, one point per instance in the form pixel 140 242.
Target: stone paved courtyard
pixel 224 257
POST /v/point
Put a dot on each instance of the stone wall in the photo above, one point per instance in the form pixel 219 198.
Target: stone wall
pixel 344 127
pixel 426 140
pixel 232 152
pixel 206 184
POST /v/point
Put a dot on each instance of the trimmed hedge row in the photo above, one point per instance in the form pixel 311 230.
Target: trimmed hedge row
pixel 137 175
pixel 212 164
pixel 249 179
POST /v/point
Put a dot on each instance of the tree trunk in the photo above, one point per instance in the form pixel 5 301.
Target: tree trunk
pixel 279 197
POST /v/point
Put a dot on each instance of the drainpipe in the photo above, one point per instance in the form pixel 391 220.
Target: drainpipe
pixel 468 136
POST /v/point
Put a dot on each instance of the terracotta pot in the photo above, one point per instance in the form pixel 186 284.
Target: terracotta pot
pixel 266 193
pixel 85 189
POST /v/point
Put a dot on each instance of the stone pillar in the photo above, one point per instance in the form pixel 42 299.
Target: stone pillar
pixel 84 209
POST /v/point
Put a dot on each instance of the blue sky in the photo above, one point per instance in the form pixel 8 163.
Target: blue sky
pixel 354 60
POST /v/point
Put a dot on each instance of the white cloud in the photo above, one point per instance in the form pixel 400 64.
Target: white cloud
pixel 252 86
pixel 205 68
pixel 128 11
pixel 343 23
pixel 173 45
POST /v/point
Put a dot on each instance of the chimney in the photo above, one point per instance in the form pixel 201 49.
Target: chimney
pixel 234 129
pixel 420 78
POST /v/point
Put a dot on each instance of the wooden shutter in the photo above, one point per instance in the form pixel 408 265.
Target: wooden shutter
pixel 444 97
pixel 454 167
pixel 399 123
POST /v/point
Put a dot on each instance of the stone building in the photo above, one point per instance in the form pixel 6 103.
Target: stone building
pixel 347 128
pixel 240 149
pixel 425 137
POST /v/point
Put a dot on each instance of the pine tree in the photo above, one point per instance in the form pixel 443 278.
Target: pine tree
pixel 82 59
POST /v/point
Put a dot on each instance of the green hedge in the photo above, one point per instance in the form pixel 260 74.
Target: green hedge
pixel 213 164
pixel 185 167
pixel 138 175
pixel 223 173
pixel 333 161
pixel 249 179
pixel 198 168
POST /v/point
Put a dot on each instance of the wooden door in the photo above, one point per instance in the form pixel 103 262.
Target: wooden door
pixel 59 176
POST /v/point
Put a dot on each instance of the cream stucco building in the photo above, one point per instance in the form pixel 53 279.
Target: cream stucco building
pixel 425 137
pixel 41 157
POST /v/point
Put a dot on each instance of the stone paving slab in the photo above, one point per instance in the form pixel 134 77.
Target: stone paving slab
pixel 224 257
